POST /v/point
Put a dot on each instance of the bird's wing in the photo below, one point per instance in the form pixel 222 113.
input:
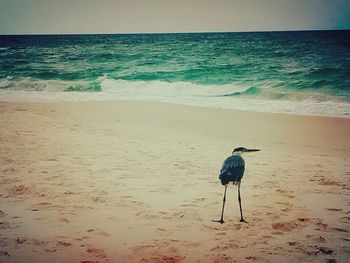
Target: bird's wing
pixel 232 163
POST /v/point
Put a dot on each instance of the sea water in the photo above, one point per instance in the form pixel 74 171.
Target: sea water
pixel 295 72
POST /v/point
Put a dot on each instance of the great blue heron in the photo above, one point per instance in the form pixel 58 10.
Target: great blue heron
pixel 232 170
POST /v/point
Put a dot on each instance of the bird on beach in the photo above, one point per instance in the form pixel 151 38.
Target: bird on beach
pixel 232 170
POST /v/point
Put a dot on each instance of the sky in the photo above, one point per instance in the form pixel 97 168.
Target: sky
pixel 146 16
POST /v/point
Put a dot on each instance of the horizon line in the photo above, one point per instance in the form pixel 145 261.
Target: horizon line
pixel 187 32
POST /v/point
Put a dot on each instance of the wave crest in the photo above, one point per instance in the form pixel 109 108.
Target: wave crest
pixel 248 92
pixel 140 89
pixel 32 84
pixel 269 99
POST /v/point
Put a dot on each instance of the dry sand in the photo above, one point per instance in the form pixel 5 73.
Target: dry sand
pixel 138 182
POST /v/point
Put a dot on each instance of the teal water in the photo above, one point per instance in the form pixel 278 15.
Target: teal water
pixel 229 70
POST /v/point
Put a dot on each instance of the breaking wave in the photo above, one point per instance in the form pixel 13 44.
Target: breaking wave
pixel 229 96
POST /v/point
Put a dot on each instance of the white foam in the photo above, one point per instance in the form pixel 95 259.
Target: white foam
pixel 179 93
pixel 29 84
pixel 165 89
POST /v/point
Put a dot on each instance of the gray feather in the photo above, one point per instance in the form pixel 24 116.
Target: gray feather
pixel 232 169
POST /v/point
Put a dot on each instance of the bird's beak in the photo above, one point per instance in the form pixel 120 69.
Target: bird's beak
pixel 253 150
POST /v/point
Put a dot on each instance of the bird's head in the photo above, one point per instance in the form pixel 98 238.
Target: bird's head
pixel 241 150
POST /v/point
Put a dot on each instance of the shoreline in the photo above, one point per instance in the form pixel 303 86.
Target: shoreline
pixel 318 109
pixel 123 101
pixel 132 181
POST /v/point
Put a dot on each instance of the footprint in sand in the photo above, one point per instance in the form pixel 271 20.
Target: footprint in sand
pixel 284 226
pixel 285 193
pixel 222 259
pixel 344 219
pixel 324 250
pixel 332 182
pixel 7 225
pixel 19 190
pixel 98 232
pixel 21 240
pixel 159 251
pixel 320 226
pixel 96 252
pixel 63 244
pixel 192 214
pixel 200 199
pixel 163 258
pixel 342 230
pixel 162 231
pixel 189 205
pixel 293 243
pixel 98 199
pixel 334 209
pixel 65 220
pixel 316 238
pixel 4 253
pixel 228 246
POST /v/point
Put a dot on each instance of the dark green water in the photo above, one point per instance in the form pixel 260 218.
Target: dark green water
pixel 210 69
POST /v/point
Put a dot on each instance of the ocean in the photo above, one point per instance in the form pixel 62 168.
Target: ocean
pixel 304 72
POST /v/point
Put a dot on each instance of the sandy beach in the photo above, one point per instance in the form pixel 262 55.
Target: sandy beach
pixel 138 182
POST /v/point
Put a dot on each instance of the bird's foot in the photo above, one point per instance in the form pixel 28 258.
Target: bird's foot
pixel 221 221
pixel 242 221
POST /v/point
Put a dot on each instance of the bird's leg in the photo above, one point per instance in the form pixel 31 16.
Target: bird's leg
pixel 223 206
pixel 239 201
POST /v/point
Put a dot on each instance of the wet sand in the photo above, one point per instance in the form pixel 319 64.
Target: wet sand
pixel 138 182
